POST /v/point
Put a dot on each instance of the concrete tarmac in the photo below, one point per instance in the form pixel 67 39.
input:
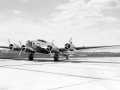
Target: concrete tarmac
pixel 73 74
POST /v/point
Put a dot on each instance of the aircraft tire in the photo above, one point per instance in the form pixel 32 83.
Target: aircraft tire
pixel 30 57
pixel 56 58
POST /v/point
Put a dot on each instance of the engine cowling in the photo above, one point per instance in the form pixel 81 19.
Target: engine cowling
pixel 67 46
pixel 11 46
pixel 49 48
pixel 23 48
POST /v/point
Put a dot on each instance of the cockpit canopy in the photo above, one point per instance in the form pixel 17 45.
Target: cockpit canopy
pixel 29 43
pixel 41 40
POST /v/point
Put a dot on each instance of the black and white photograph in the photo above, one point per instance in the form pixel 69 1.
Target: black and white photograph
pixel 59 44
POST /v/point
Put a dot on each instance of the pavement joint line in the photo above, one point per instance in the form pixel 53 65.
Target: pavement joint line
pixel 61 66
pixel 103 65
pixel 82 67
pixel 81 83
pixel 64 74
pixel 58 66
pixel 26 64
pixel 72 85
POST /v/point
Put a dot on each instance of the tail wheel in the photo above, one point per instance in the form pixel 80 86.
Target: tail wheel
pixel 31 56
pixel 56 57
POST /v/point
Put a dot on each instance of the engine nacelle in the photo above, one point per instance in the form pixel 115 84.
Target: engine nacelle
pixel 67 46
pixel 11 46
pixel 49 48
pixel 23 48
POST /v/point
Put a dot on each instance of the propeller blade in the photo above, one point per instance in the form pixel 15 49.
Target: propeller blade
pixel 20 42
pixel 9 44
pixel 9 41
pixel 51 54
pixel 70 40
pixel 52 41
pixel 7 51
pixel 20 52
pixel 21 48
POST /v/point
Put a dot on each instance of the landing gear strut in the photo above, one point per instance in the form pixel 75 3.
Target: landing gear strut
pixel 67 57
pixel 31 56
pixel 56 57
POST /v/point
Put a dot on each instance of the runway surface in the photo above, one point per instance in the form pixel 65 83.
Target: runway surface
pixel 74 74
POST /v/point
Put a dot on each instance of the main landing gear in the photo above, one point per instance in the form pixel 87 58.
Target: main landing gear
pixel 56 57
pixel 31 56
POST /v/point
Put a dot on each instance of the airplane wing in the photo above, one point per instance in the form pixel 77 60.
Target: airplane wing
pixel 89 48
pixel 6 47
pixel 12 47
pixel 95 47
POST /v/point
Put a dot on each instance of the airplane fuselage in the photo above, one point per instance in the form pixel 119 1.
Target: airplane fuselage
pixel 41 46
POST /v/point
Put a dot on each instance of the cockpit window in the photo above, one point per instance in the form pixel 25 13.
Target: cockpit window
pixel 41 40
pixel 29 43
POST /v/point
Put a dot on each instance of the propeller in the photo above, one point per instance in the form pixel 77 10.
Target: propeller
pixel 49 48
pixel 22 48
pixel 67 45
pixel 10 46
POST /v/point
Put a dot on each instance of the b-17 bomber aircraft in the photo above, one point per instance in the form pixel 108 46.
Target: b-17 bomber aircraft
pixel 42 46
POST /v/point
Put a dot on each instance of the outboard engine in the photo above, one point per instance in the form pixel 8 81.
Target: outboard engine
pixel 10 45
pixel 23 48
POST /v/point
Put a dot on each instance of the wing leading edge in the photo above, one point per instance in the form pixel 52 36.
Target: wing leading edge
pixel 88 48
pixel 6 47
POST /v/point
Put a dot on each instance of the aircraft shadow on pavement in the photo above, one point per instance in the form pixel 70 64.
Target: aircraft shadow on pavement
pixel 80 60
pixel 93 62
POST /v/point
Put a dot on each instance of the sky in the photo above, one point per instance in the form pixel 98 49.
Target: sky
pixel 88 22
